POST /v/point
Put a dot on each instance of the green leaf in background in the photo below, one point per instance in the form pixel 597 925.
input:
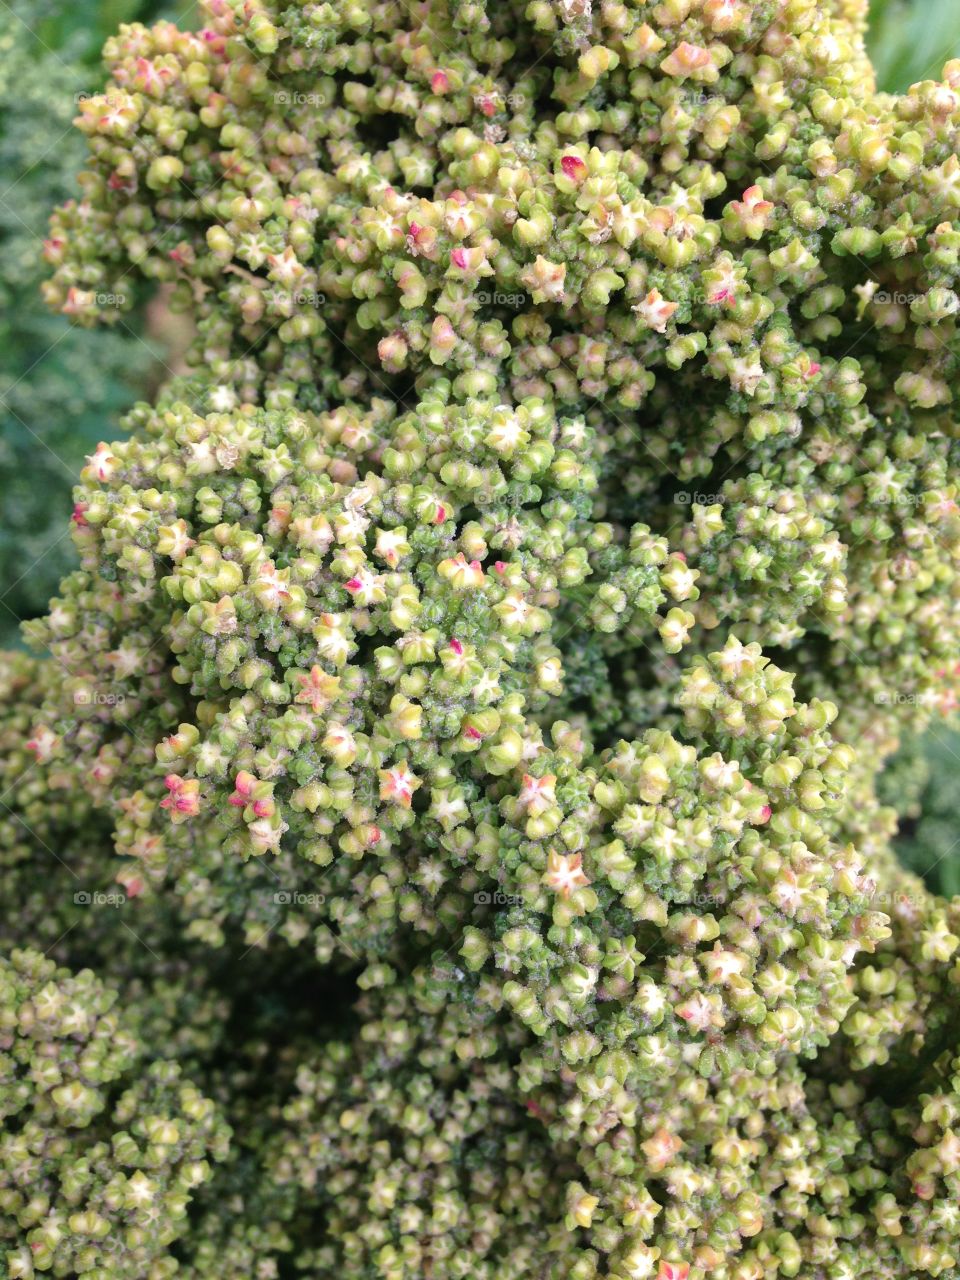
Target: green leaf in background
pixel 62 389
pixel 80 29
pixel 921 784
pixel 910 40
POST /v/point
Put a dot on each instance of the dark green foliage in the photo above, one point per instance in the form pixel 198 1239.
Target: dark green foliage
pixel 921 783
pixel 61 388
pixel 910 40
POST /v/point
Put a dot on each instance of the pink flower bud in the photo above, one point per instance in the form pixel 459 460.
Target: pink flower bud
pixel 673 1270
pixel 216 43
pixel 243 789
pixel 574 168
pixel 133 884
pixel 685 59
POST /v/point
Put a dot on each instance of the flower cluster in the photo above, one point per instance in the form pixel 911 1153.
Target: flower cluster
pixel 102 1149
pixel 509 617
pixel 356 640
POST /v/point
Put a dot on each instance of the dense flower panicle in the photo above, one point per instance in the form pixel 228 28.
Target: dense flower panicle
pixel 416 1145
pixel 510 615
pixel 703 235
pixel 243 605
pixel 102 1150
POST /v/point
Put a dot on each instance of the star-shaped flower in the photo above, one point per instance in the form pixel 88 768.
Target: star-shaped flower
pixel 564 873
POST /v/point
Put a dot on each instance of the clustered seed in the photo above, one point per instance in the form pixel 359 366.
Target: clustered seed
pixel 510 616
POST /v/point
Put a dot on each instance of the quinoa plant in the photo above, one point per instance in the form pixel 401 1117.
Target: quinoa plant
pixel 61 389
pixel 480 669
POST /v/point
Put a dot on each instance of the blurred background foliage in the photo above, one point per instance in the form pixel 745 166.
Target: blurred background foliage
pixel 63 389
pixel 920 784
pixel 910 40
